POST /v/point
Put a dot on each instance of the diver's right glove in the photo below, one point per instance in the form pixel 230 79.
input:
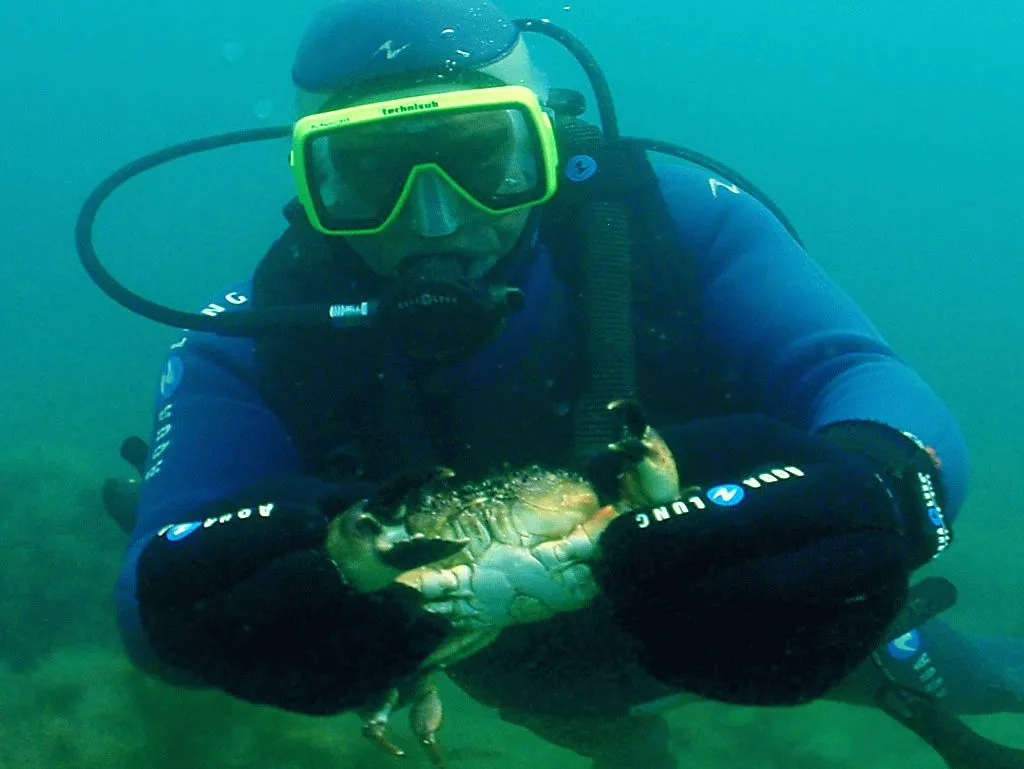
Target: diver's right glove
pixel 245 598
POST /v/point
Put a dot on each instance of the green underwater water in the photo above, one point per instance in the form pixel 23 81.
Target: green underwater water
pixel 888 132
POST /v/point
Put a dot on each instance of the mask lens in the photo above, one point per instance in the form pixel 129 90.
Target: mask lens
pixel 498 160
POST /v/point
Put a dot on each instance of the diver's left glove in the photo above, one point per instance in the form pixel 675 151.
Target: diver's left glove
pixel 779 573
pixel 245 598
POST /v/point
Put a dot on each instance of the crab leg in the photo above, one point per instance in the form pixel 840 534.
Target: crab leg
pixel 375 726
pixel 425 718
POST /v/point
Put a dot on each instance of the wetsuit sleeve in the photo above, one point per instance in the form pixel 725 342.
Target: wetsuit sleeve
pixel 227 581
pixel 797 345
pixel 212 436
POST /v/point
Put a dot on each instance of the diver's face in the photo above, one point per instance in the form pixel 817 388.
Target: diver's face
pixel 481 150
pixel 437 220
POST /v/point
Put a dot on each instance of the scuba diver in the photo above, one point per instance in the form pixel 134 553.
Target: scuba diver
pixel 469 274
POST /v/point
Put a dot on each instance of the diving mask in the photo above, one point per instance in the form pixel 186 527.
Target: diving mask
pixel 356 167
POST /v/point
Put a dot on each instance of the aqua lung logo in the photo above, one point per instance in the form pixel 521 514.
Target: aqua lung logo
pixel 161 440
pixel 389 50
pixel 232 298
pixel 171 377
pixel 418 106
pixel 717 184
pixel 943 536
pixel 579 168
pixel 904 647
pixel 774 475
pixel 178 531
pixel 664 512
pixel 181 530
pixel 726 495
pixel 931 500
pixel 909 650
pixel 723 495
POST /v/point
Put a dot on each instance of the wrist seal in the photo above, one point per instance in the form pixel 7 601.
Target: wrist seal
pixel 911 472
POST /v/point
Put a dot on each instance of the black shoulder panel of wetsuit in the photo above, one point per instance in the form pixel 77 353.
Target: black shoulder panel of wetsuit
pixel 310 381
pixel 344 398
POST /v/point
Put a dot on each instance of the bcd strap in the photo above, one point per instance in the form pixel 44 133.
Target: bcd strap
pixel 642 264
pixel 591 210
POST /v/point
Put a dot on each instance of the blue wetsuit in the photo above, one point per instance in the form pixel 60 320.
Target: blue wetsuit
pixel 774 336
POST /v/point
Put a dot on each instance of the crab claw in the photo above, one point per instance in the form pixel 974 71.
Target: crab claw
pixel 375 725
pixel 650 477
pixel 633 419
pixel 370 543
pixel 631 447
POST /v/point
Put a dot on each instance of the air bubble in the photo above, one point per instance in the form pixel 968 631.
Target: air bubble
pixel 231 51
pixel 263 109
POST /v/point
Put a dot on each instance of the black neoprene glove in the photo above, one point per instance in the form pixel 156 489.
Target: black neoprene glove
pixel 780 574
pixel 246 599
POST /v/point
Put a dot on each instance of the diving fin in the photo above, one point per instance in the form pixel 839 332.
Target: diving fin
pixel 134 451
pixel 959 746
pixel 119 500
pixel 927 599
pixel 121 497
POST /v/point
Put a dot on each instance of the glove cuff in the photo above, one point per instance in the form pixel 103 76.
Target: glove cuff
pixel 911 473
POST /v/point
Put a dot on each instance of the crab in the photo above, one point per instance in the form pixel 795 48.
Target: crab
pixel 506 551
